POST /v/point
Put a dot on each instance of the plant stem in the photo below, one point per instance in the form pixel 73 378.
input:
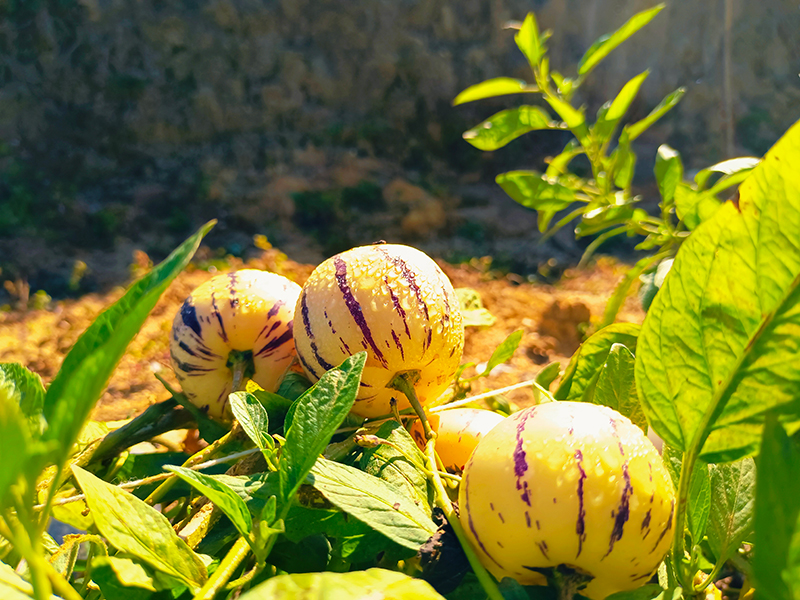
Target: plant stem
pixel 678 552
pixel 21 531
pixel 229 564
pixel 199 457
pixel 402 383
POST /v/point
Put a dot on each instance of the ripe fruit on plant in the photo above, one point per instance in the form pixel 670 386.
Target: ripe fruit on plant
pixel 236 322
pixel 458 431
pixel 392 301
pixel 568 483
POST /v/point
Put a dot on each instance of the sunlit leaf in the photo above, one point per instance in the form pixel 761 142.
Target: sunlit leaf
pixel 220 495
pixel 138 529
pixel 726 167
pixel 669 172
pixel 88 366
pixel 507 125
pixel 611 113
pixel 603 46
pixel 379 504
pixel 399 463
pixel 718 345
pixel 694 207
pixel 733 492
pixel 573 117
pixel 529 41
pixel 634 130
pixel 318 413
pixel 372 583
pixel 499 86
pixel 252 417
pixel 25 387
pixel 616 385
pixel 503 352
pixel 583 370
pixel 776 561
pixel 533 190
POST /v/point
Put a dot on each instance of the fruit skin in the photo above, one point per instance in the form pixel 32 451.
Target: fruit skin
pixel 247 310
pixel 568 483
pixel 392 301
pixel 458 431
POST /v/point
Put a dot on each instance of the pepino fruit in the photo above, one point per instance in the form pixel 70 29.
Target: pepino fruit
pixel 458 431
pixel 568 483
pixel 237 321
pixel 392 301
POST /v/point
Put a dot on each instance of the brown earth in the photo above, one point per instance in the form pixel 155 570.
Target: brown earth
pixel 554 319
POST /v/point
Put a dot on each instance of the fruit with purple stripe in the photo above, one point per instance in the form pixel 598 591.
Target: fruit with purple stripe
pixel 568 483
pixel 243 316
pixel 392 301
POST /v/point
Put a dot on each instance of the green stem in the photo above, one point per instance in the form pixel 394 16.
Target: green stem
pixel 21 529
pixel 44 517
pixel 403 383
pixel 244 579
pixel 61 586
pixel 199 457
pixel 712 577
pixel 678 551
pixel 222 575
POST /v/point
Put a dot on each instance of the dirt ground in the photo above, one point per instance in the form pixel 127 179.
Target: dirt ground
pixel 553 318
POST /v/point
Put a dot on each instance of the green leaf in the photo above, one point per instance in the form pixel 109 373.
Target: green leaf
pixel 25 387
pixel 694 207
pixel 253 418
pixel 223 497
pixel 372 583
pixel 583 370
pixel 292 387
pixel 399 464
pixel 616 385
pixel 21 455
pixel 777 531
pixel 373 501
pixel 699 502
pixel 122 578
pixel 733 492
pixel 136 528
pixel 507 125
pixel 503 352
pixel 558 165
pixel 604 45
pixel 499 86
pixel 530 42
pixel 89 364
pixel 669 172
pixel 534 190
pixel 573 117
pixel 716 348
pixel 726 167
pixel 611 113
pixel 668 103
pixel 318 413
pixel 624 160
pixel 13 586
pixel 548 375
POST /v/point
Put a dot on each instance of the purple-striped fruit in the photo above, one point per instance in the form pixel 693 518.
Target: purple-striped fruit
pixel 458 431
pixel 392 301
pixel 247 314
pixel 568 483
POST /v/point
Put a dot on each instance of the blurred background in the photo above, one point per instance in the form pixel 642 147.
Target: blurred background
pixel 125 124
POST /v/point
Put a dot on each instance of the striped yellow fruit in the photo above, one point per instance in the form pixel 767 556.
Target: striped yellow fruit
pixel 392 301
pixel 458 431
pixel 247 311
pixel 568 483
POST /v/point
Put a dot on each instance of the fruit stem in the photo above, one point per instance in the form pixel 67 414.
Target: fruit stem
pixel 404 382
